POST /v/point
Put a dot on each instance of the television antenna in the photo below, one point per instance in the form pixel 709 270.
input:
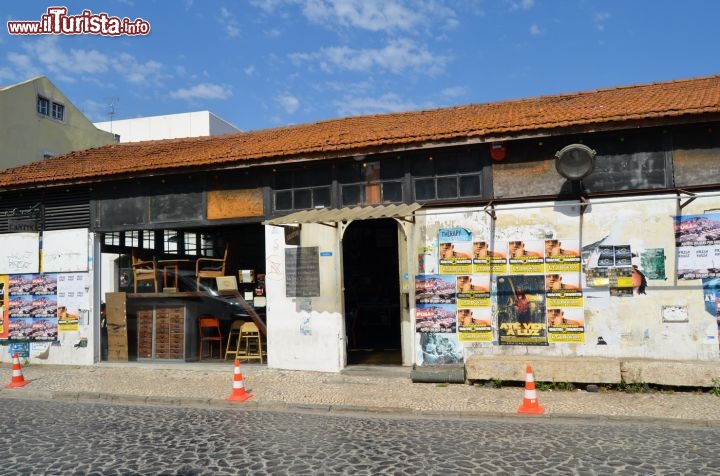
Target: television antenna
pixel 111 108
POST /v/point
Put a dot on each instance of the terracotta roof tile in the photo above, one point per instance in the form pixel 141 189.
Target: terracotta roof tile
pixel 351 135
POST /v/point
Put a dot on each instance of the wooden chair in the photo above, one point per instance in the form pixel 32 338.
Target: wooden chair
pixel 209 330
pixel 144 271
pixel 209 268
pixel 234 340
pixel 251 347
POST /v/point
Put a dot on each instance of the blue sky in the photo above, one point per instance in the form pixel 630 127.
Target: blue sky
pixel 265 63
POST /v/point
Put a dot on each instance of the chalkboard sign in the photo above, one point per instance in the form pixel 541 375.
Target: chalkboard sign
pixel 630 162
pixel 122 211
pixel 176 207
pixel 642 170
pixel 302 272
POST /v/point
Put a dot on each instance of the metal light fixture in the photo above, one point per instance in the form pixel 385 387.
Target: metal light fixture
pixel 575 161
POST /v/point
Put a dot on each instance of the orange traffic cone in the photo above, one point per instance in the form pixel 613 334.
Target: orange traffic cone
pixel 238 392
pixel 17 377
pixel 530 401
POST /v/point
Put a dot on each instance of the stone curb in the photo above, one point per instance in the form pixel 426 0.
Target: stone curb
pixel 385 412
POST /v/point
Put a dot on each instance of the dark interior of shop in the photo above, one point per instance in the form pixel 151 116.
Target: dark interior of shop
pixel 372 292
pixel 173 282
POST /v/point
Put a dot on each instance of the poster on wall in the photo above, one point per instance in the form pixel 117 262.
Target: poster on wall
pixel 455 251
pixel 438 349
pixel 32 302
pixel 22 349
pixel 526 257
pixel 562 256
pixel 3 306
pixel 566 324
pixel 65 250
pixel 427 260
pixel 474 316
pixel 19 253
pixel 475 324
pixel 597 277
pixel 652 261
pixel 521 310
pixel 620 282
pixel 711 296
pixel 563 290
pixel 434 289
pixel 487 259
pixel 439 318
pixel 473 290
pixel 611 256
pixel 697 242
pixel 72 299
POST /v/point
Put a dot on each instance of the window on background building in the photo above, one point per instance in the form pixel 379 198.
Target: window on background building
pixel 207 245
pixel 302 189
pixel 191 243
pixel 58 111
pixel 148 240
pixel 111 238
pixel 444 177
pixel 43 106
pixel 171 239
pixel 371 183
pixel 132 238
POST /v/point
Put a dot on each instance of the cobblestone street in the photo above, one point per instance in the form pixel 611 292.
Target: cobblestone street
pixel 90 438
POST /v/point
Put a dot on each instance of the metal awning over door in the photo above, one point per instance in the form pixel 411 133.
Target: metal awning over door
pixel 334 215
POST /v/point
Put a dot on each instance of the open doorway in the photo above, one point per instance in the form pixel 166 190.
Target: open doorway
pixel 372 292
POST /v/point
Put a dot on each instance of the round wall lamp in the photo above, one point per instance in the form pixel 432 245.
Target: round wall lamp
pixel 575 161
pixel 498 151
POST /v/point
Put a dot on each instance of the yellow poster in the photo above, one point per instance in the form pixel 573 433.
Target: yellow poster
pixel 566 324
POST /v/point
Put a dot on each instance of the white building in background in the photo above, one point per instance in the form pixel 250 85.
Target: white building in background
pixel 168 126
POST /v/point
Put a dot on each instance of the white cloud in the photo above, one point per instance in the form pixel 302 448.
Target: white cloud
pixel 273 33
pixel 202 91
pixel 249 71
pixel 127 66
pixel 373 15
pixel 268 6
pixel 600 19
pixel 390 102
pixel 454 91
pixel 397 56
pixel 288 102
pixel 388 16
pixel 45 56
pixel 229 23
pixel 535 30
pixel 522 5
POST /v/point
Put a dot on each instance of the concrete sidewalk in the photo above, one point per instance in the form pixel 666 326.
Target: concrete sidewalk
pixel 385 390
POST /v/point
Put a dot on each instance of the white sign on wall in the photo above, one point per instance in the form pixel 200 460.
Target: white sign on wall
pixel 65 251
pixel 19 253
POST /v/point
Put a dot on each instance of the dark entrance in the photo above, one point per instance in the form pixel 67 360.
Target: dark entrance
pixel 372 292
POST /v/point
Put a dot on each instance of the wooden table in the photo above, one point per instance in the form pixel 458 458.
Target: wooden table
pixel 171 265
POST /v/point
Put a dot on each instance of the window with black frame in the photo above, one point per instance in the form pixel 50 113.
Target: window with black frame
pixel 446 176
pixel 371 182
pixel 302 189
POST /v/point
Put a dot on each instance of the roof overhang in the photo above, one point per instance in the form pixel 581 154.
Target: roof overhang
pixel 331 216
